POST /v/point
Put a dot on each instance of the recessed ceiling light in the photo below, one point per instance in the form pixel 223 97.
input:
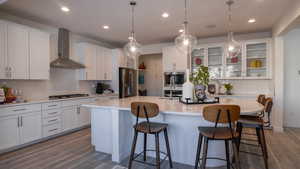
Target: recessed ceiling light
pixel 2 1
pixel 65 9
pixel 105 27
pixel 252 20
pixel 180 30
pixel 165 15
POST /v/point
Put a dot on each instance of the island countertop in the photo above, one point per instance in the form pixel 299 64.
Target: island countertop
pixel 166 106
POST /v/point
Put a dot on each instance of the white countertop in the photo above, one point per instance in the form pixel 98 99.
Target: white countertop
pixel 248 105
pixel 48 100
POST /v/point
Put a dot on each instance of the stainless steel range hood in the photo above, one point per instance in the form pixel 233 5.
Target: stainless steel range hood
pixel 63 60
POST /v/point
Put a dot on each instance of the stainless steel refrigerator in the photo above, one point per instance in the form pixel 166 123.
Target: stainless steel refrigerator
pixel 127 82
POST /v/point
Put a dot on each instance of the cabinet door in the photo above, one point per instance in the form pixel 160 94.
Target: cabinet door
pixel 70 118
pixel 39 55
pixel 90 62
pixel 31 127
pixel 18 51
pixel 3 71
pixel 9 132
pixel 100 63
pixel 168 61
pixel 215 56
pixel 107 59
pixel 84 116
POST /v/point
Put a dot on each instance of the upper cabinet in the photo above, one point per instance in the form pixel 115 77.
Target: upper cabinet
pixel 24 52
pixel 174 59
pixel 254 62
pixel 98 62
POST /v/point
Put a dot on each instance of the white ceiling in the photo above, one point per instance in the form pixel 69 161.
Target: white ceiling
pixel 88 16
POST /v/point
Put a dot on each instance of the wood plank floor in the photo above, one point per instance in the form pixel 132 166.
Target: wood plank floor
pixel 74 151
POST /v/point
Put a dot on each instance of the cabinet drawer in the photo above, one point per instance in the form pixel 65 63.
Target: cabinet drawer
pixel 51 120
pixel 70 103
pixel 51 113
pixel 51 129
pixel 16 110
pixel 52 105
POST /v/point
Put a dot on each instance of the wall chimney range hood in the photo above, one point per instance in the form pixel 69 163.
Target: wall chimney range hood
pixel 63 60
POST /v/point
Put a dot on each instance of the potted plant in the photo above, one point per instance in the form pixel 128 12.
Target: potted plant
pixel 228 87
pixel 200 79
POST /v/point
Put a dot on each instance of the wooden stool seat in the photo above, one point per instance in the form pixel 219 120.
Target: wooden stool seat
pixel 217 134
pixel 150 127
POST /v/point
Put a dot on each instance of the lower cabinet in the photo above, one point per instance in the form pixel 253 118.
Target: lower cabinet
pixel 84 116
pixel 9 132
pixel 70 117
pixel 21 129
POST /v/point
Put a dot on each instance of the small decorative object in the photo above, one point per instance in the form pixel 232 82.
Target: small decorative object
pixel 142 66
pixel 228 87
pixel 211 88
pixel 198 61
pixel 9 96
pixel 188 88
pixel 234 60
pixel 141 79
pixel 201 79
pixel 2 96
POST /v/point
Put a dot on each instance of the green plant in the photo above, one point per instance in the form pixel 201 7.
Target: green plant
pixel 201 76
pixel 228 87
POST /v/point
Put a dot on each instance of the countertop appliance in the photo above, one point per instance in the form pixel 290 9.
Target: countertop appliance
pixel 67 96
pixel 174 78
pixel 127 82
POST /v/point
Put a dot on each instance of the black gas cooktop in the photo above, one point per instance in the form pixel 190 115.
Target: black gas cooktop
pixel 67 96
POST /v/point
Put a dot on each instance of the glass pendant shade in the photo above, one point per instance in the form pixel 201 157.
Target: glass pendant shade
pixel 132 49
pixel 234 48
pixel 185 41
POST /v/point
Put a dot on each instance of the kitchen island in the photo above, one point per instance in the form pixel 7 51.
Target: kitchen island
pixel 112 127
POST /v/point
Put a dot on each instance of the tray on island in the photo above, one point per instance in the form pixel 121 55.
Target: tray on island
pixel 197 101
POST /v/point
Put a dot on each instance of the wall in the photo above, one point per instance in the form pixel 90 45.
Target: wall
pixel 153 74
pixel 292 79
pixel 61 81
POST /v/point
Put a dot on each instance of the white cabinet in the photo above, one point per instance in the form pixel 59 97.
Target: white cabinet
pixel 30 127
pixel 84 116
pixel 98 62
pixel 24 52
pixel 174 59
pixel 3 68
pixel 9 132
pixel 70 118
pixel 39 43
pixel 18 51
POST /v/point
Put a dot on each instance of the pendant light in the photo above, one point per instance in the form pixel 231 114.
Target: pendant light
pixel 185 41
pixel 234 48
pixel 132 49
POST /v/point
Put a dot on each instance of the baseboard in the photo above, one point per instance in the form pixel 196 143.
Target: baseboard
pixel 278 129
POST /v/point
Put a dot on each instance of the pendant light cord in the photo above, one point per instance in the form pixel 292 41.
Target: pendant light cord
pixel 229 3
pixel 185 23
pixel 132 3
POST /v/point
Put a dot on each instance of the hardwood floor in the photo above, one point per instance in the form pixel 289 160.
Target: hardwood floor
pixel 74 151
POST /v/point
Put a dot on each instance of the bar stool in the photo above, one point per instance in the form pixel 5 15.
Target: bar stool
pixel 223 114
pixel 256 122
pixel 148 110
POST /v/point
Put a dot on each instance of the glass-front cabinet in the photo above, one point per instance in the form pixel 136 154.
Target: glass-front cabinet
pixel 254 62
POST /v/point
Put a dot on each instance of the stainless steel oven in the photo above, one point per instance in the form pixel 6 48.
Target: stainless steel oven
pixel 174 78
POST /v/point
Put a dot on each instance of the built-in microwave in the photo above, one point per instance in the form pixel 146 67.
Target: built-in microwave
pixel 174 78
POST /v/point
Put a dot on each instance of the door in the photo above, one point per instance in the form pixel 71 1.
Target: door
pixel 100 63
pixel 30 127
pixel 9 132
pixel 107 59
pixel 39 55
pixel 18 51
pixel 70 120
pixel 90 62
pixel 3 70
pixel 84 116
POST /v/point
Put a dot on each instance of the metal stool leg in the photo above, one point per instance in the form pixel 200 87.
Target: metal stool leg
pixel 227 154
pixel 236 153
pixel 157 150
pixel 203 165
pixel 145 146
pixel 263 147
pixel 168 147
pixel 198 151
pixel 133 149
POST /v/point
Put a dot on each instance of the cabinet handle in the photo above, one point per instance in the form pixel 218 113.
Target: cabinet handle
pixel 52 130
pixel 53 113
pixel 86 75
pixel 53 105
pixel 52 120
pixel 19 110
pixel 18 122
pixel 21 121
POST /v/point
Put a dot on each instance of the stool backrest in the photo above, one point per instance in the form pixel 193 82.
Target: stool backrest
pixel 268 105
pixel 261 99
pixel 222 113
pixel 144 109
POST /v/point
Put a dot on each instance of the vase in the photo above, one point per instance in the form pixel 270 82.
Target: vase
pixel 200 92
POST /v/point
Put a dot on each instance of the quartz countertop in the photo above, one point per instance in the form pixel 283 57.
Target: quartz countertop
pixel 46 100
pixel 248 105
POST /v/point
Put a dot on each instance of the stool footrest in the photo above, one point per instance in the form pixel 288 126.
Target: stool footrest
pixel 145 162
pixel 256 154
pixel 215 158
